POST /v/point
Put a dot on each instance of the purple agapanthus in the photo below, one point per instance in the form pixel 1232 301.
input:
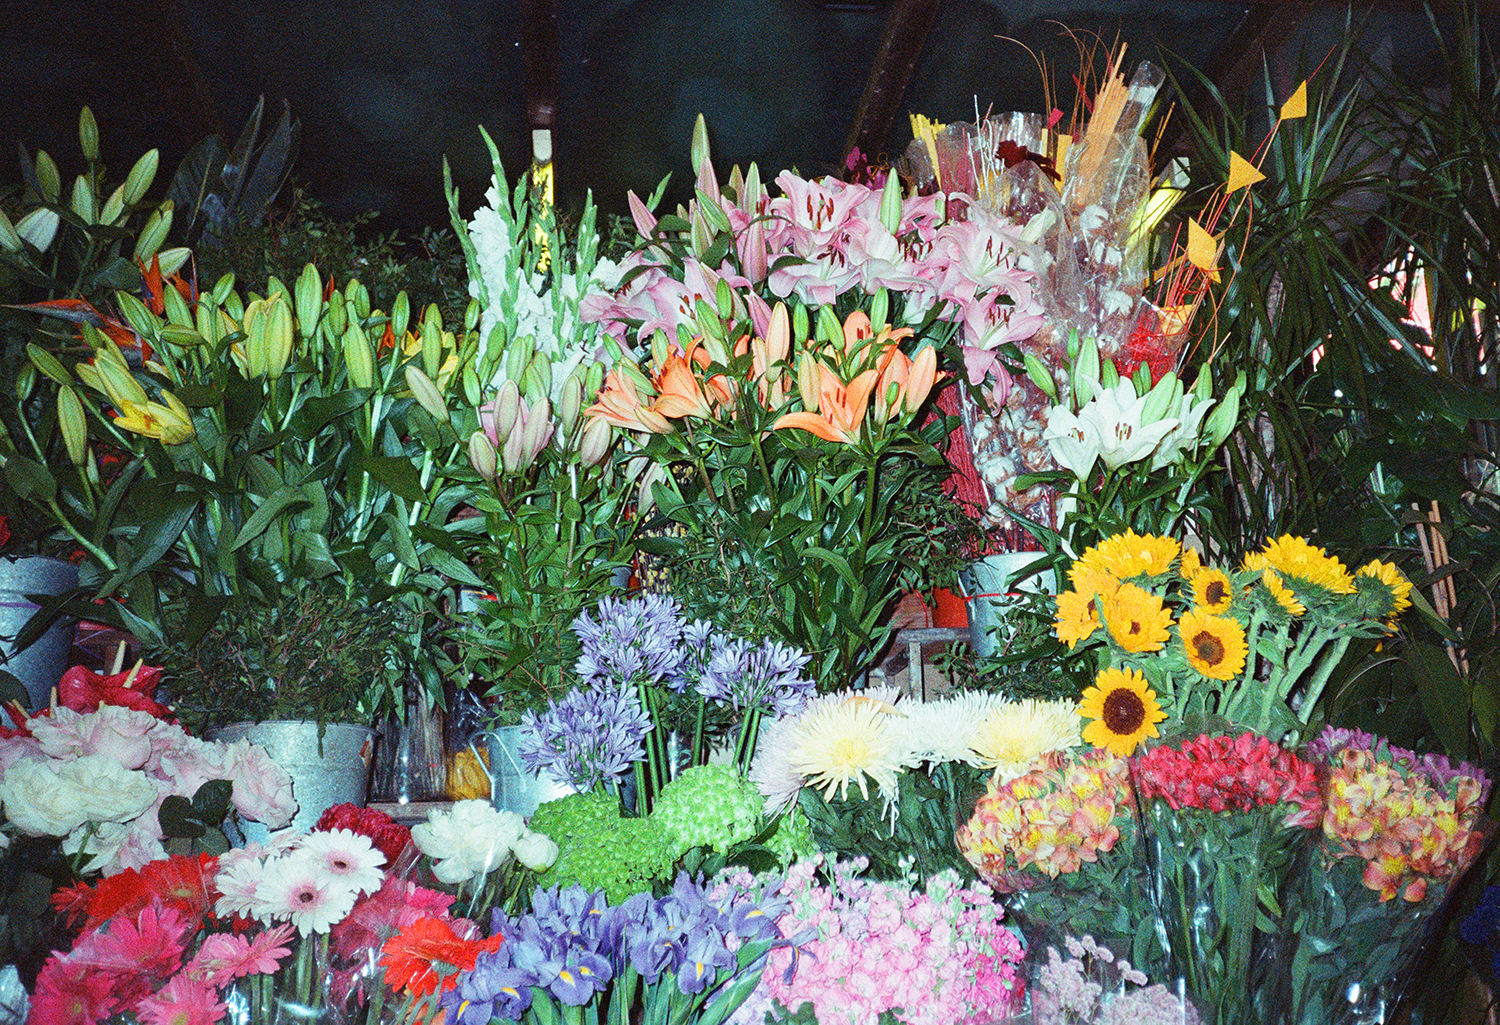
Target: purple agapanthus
pixel 767 676
pixel 633 640
pixel 590 735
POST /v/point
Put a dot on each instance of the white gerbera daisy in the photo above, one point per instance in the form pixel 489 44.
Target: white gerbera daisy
pixel 347 855
pixel 294 889
pixel 240 872
pixel 1015 733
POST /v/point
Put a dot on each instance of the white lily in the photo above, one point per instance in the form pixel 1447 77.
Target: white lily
pixel 1184 437
pixel 1116 414
pixel 1073 442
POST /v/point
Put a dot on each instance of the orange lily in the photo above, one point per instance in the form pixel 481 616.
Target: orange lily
pixel 841 408
pixel 718 386
pixel 679 392
pixel 620 404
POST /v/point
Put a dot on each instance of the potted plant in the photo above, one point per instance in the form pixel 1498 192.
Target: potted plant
pixel 303 676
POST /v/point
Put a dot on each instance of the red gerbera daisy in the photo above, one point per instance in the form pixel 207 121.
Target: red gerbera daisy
pixel 428 955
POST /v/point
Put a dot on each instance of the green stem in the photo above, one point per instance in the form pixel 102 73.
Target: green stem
pixel 73 532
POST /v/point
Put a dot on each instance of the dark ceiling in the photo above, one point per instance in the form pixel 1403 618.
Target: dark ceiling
pixel 385 89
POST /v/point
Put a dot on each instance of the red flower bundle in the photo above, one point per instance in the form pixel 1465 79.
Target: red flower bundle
pixel 1223 773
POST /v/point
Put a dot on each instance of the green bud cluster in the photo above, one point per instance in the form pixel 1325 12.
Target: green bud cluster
pixel 708 806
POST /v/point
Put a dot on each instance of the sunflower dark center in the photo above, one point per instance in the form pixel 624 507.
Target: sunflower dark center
pixel 1210 648
pixel 1124 712
pixel 1215 592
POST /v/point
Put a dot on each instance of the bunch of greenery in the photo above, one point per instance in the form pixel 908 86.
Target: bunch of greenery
pixel 310 654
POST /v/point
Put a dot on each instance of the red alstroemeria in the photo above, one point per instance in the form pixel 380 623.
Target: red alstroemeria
pixel 1219 773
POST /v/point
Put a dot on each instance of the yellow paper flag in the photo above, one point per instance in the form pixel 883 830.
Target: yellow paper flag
pixel 1202 250
pixel 1296 104
pixel 1242 173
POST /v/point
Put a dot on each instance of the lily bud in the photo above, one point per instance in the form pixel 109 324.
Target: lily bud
pixel 472 313
pixel 358 358
pixel 358 298
pixel 142 174
pixel 48 363
pixel 9 240
pixel 518 357
pixel 594 445
pixel 114 207
pixel 808 381
pixel 400 314
pixel 1224 418
pixel 890 212
pixel 1040 375
pixel 47 177
pixel 278 329
pixel 154 233
pixel 82 200
pixel 923 376
pixel 176 308
pixel 570 403
pixel 537 382
pixel 482 455
pixel 426 393
pixel 503 410
pixel 1109 374
pixel 88 135
pixel 73 425
pixel 170 261
pixel 253 324
pixel 1160 399
pixel 206 318
pixel 338 316
pixel 432 349
pixel 309 297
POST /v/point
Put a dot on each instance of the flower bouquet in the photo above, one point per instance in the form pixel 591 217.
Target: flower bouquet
pixel 691 956
pixel 1060 843
pixel 863 948
pixel 1398 833
pixel 889 779
pixel 1093 986
pixel 1224 818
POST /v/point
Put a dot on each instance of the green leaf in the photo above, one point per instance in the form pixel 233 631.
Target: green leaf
pixel 265 514
pixel 178 818
pixel 211 802
pixel 399 474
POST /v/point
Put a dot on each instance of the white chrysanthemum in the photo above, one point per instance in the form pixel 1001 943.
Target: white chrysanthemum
pixel 347 855
pixel 941 731
pixel 471 839
pixel 771 770
pixel 847 739
pixel 293 888
pixel 1015 733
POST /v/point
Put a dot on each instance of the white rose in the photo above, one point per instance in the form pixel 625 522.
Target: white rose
pixel 535 850
pixel 36 802
pixel 107 791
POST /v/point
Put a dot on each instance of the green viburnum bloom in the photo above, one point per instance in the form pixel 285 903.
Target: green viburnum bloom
pixel 708 806
pixel 599 849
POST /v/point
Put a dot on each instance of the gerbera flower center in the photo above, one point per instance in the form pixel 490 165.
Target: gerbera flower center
pixel 1209 647
pixel 1124 712
pixel 305 897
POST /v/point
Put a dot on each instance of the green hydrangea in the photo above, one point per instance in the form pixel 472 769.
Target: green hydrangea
pixel 600 850
pixel 709 806
pixel 793 838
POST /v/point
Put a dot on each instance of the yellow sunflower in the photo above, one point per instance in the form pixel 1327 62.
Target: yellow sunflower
pixel 1123 709
pixel 1077 617
pixel 1284 597
pixel 1215 645
pixel 1191 563
pixel 1294 558
pixel 1213 591
pixel 1385 584
pixel 1137 619
pixel 1132 555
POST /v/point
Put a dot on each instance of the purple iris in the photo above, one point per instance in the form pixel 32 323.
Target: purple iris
pixel 494 988
pixel 589 735
pixel 634 640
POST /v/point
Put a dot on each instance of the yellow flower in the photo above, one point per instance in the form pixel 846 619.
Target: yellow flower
pixel 1077 617
pixel 1015 734
pixel 1213 591
pixel 153 420
pixel 1132 555
pixel 1191 563
pixel 1295 559
pixel 1215 645
pixel 1123 709
pixel 1137 619
pixel 1386 585
pixel 1285 598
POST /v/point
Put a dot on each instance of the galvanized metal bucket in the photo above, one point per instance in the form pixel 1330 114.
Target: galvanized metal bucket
pixel 338 773
pixel 41 664
pixel 987 586
pixel 514 787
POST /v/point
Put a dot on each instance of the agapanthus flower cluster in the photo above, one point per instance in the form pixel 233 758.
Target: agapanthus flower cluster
pixel 633 640
pixel 1220 773
pixel 1067 810
pixel 1413 821
pixel 97 780
pixel 744 675
pixel 574 949
pixel 940 954
pixel 590 735
pixel 1092 985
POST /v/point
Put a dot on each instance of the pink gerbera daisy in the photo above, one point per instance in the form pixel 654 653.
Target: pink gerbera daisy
pixel 71 992
pixel 182 1001
pixel 346 855
pixel 224 956
pixel 293 889
pixel 140 951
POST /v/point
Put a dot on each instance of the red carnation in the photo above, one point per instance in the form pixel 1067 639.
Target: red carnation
pixel 389 836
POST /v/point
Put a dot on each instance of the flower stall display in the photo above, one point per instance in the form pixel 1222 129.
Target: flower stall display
pixel 864 948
